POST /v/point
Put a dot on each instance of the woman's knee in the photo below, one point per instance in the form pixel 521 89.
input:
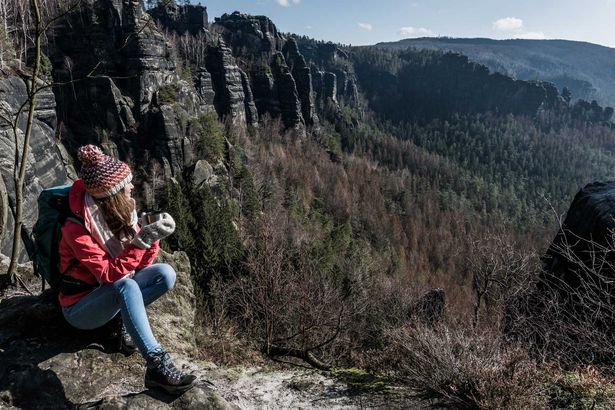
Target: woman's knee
pixel 167 274
pixel 126 286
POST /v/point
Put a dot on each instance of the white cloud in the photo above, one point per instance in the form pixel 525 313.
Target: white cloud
pixel 287 3
pixel 415 32
pixel 365 26
pixel 508 24
pixel 309 27
pixel 531 35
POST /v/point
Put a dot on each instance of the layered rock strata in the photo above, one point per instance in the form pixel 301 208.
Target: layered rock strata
pixel 45 166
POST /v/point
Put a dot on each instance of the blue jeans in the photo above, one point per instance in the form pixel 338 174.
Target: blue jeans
pixel 128 296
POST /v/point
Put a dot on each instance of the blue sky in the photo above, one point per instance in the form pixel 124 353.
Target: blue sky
pixel 360 22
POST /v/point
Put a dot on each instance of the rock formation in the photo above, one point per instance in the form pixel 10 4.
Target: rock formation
pixel 229 97
pixel 303 78
pixel 252 38
pixel 45 363
pixel 45 160
pixel 290 107
pixel 205 89
pixel 584 240
pixel 121 60
pixel 190 19
pixel 250 107
pixel 329 87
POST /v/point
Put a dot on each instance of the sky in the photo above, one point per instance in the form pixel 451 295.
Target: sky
pixel 363 22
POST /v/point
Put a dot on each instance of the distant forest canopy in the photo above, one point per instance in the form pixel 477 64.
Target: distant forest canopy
pixel 584 68
pixel 505 147
pixel 425 84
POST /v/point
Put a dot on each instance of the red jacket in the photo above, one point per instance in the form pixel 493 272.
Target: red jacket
pixel 95 265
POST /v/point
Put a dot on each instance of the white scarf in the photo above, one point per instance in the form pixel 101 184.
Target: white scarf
pixel 100 230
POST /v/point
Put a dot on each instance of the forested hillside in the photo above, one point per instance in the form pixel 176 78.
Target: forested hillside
pixel 583 68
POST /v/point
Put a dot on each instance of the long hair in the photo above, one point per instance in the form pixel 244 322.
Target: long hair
pixel 117 210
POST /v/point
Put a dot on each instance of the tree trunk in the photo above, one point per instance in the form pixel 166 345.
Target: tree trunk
pixel 22 165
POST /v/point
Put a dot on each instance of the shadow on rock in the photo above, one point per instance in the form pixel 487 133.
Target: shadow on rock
pixel 32 331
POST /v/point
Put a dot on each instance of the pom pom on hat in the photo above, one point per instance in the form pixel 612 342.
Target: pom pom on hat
pixel 90 155
pixel 102 175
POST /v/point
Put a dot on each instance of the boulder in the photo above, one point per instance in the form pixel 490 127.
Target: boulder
pixel 586 231
pixel 204 174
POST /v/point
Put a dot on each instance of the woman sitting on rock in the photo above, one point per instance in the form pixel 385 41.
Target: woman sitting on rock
pixel 107 263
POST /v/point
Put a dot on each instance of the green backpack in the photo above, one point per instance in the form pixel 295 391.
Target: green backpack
pixel 53 211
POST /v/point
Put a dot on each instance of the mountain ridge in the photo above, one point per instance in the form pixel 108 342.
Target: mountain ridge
pixel 582 67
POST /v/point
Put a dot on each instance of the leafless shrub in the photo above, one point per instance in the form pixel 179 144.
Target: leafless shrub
pixel 285 302
pixel 570 315
pixel 501 271
pixel 465 369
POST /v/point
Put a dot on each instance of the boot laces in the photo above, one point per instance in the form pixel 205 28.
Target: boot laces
pixel 166 367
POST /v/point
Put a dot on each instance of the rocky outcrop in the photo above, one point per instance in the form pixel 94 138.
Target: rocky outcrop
pixel 147 55
pixel 46 165
pixel 204 88
pixel 265 93
pixel 167 138
pixel 303 79
pixel 276 79
pixel 185 19
pixel 112 106
pixel 250 107
pixel 346 87
pixel 329 86
pixel 204 174
pixel 333 75
pixel 45 363
pixel 121 60
pixel 290 107
pixel 253 38
pixel 583 240
pixel 317 81
pixel 229 97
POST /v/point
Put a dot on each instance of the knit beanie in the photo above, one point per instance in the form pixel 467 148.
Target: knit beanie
pixel 102 175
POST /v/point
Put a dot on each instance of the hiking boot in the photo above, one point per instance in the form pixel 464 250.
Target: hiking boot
pixel 127 345
pixel 119 339
pixel 162 373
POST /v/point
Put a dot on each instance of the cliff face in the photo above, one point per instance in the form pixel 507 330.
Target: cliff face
pixel 256 71
pixel 121 61
pixel 48 162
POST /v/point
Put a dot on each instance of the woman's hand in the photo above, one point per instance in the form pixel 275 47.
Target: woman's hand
pixel 154 232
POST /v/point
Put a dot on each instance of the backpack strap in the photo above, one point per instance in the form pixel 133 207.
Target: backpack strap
pixel 74 262
pixel 69 285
